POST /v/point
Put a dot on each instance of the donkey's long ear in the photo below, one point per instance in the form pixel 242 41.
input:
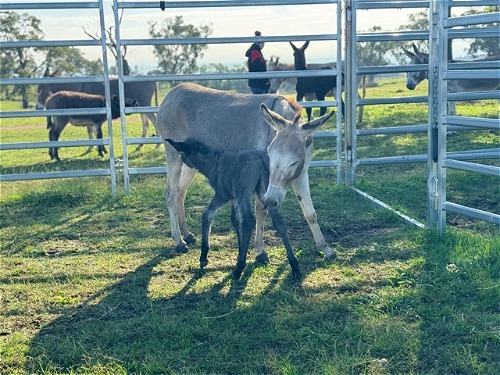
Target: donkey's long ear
pixel 293 46
pixel 47 72
pixel 303 48
pixel 274 119
pixel 314 125
pixel 411 55
pixel 417 51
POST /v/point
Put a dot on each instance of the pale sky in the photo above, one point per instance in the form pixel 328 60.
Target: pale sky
pixel 225 22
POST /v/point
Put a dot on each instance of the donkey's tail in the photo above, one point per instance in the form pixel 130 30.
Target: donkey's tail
pixel 50 124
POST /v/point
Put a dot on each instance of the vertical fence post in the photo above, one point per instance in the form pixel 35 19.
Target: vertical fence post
pixel 340 78
pixel 350 92
pixel 121 90
pixel 442 10
pixel 107 92
pixel 434 108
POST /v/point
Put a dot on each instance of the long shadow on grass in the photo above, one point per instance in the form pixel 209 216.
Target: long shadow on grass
pixel 122 329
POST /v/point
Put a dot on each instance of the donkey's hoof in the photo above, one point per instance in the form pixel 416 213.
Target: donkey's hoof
pixel 203 263
pixel 181 249
pixel 262 258
pixel 190 239
pixel 330 256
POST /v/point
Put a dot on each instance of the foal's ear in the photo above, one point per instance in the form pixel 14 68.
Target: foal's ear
pixel 314 125
pixel 274 119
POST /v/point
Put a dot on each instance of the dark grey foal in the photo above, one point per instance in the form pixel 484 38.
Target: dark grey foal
pixel 235 176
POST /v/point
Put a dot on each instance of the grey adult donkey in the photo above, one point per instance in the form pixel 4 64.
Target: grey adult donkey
pixel 231 121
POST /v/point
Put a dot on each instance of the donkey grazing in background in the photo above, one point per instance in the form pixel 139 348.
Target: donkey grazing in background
pixel 141 92
pixel 236 176
pixel 456 85
pixel 72 100
pixel 320 86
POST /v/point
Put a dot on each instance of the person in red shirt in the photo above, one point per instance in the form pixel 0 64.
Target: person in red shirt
pixel 257 63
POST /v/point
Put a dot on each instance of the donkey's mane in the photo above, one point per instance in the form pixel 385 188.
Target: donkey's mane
pixel 297 107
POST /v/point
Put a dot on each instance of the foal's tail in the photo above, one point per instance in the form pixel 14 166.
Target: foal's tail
pixel 50 124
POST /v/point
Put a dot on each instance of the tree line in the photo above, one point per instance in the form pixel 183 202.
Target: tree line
pixel 176 59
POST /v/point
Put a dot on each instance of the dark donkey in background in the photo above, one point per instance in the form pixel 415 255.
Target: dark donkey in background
pixel 236 176
pixel 72 100
pixel 456 85
pixel 141 92
pixel 320 86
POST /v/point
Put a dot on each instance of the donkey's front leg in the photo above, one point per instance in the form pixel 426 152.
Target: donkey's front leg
pixel 301 187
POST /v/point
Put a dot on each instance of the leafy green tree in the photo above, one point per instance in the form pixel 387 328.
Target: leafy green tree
pixel 18 62
pixel 373 53
pixel 488 46
pixel 417 21
pixel 239 85
pixel 178 58
pixel 71 61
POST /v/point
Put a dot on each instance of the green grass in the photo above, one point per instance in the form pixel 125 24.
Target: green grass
pixel 90 282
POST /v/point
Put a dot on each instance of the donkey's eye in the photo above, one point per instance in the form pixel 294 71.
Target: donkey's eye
pixel 294 164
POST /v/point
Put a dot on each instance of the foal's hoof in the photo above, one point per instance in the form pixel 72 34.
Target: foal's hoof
pixel 237 274
pixel 296 274
pixel 181 249
pixel 262 258
pixel 190 239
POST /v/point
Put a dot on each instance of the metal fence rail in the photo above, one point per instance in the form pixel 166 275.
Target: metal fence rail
pixel 336 36
pixel 111 172
pixel 438 159
pixel 442 73
pixel 454 70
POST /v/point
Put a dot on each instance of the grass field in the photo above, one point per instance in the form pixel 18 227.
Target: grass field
pixel 90 282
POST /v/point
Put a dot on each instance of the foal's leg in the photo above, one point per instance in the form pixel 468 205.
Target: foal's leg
pixel 280 227
pixel 301 187
pixel 261 214
pixel 90 131
pixel 243 222
pixel 59 123
pixel 206 222
pixel 98 130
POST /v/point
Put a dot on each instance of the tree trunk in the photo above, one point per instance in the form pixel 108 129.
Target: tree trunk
pixel 24 97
